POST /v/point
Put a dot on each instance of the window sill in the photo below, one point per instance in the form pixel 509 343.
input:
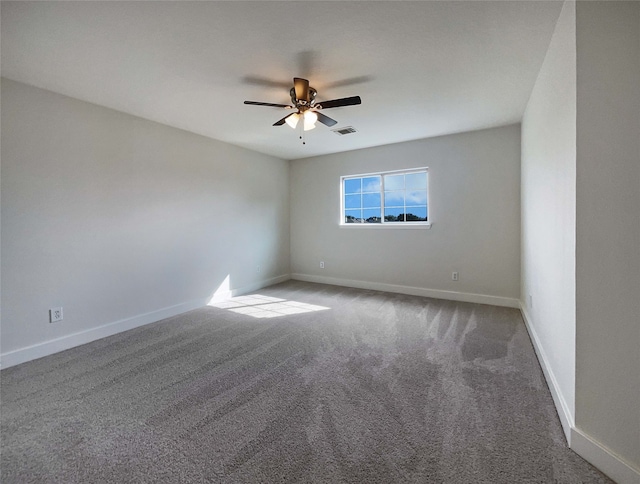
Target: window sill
pixel 419 226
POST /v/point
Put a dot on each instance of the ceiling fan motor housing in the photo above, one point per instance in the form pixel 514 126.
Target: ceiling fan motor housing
pixel 303 102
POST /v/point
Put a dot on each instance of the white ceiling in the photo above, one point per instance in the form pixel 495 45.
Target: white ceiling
pixel 422 69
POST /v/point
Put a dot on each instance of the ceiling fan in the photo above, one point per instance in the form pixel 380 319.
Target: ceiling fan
pixel 306 107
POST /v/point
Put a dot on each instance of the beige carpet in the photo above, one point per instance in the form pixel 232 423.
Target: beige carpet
pixel 300 383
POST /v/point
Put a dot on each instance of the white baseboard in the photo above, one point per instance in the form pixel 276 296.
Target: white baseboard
pixel 22 355
pixel 412 291
pixel 565 414
pixel 581 443
pixel 47 348
pixel 605 460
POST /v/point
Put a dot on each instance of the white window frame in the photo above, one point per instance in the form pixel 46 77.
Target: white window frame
pixel 383 224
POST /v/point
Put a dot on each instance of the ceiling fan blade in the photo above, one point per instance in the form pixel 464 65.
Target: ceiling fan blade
pixel 256 103
pixel 282 121
pixel 326 120
pixel 302 89
pixel 337 103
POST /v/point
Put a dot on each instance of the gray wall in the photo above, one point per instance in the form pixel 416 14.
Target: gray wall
pixel 474 205
pixel 581 229
pixel 608 226
pixel 549 214
pixel 117 218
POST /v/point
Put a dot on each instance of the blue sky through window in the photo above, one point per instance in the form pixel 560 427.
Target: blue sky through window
pixel 362 199
pixel 401 196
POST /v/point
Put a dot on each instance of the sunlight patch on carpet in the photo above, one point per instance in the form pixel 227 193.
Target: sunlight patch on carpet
pixel 259 306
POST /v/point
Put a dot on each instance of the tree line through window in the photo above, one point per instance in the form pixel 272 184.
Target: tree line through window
pixel 393 197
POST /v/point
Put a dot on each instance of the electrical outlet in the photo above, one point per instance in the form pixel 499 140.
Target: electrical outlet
pixel 258 269
pixel 321 264
pixel 454 276
pixel 530 301
pixel 55 315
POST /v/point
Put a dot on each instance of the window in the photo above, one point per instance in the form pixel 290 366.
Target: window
pixel 389 198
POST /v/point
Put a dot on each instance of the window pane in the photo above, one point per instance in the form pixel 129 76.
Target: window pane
pixel 371 184
pixel 372 215
pixel 416 181
pixel 352 185
pixel 394 182
pixel 417 214
pixel 352 216
pixel 394 214
pixel 371 200
pixel 352 201
pixel 394 199
pixel 417 197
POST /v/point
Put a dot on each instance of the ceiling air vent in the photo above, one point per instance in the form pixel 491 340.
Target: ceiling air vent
pixel 343 131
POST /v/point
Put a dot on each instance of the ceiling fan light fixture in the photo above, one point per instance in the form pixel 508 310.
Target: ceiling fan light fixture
pixel 310 119
pixel 293 120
